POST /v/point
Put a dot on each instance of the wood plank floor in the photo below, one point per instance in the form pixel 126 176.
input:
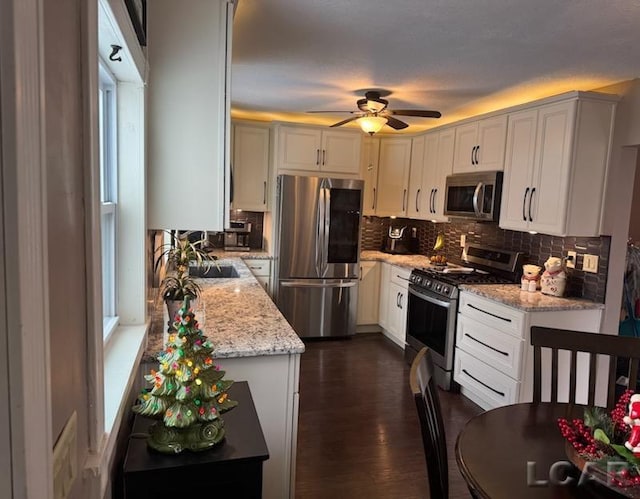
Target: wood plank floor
pixel 359 435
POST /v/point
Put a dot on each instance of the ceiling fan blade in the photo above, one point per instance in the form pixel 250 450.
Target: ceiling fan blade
pixel 396 124
pixel 343 111
pixel 424 113
pixel 343 122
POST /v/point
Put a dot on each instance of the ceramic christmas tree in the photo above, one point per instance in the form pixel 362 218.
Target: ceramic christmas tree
pixel 189 393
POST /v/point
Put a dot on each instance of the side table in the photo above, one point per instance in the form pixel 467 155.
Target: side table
pixel 233 467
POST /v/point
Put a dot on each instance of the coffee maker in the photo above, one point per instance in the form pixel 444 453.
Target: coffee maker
pixel 400 241
pixel 236 237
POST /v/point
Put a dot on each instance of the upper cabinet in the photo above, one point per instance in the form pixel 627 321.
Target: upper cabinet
pixel 250 167
pixel 431 162
pixel 480 145
pixel 369 173
pixel 393 176
pixel 318 151
pixel 189 48
pixel 556 165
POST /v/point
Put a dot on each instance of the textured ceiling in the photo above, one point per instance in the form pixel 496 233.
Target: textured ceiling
pixel 461 57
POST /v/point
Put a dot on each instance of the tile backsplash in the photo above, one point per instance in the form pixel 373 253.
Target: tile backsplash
pixel 537 247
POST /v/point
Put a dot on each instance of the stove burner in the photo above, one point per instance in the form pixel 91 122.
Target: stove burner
pixel 446 283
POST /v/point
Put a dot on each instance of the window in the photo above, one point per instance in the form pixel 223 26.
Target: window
pixel 108 198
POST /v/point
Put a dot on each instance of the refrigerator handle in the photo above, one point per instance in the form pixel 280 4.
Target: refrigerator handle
pixel 319 233
pixel 325 237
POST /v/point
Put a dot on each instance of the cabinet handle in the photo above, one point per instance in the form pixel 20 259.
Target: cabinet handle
pixel 404 199
pixel 433 202
pixel 488 313
pixel 317 157
pixel 483 384
pixel 473 149
pixel 324 154
pixel 264 192
pixel 533 189
pixel 373 206
pixel 398 299
pixel 486 345
pixel 417 196
pixel 401 296
pixel 361 272
pixel 477 152
pixel 524 202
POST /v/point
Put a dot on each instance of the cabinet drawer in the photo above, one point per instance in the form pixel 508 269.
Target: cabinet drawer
pixel 400 276
pixel 259 267
pixel 494 388
pixel 500 350
pixel 492 314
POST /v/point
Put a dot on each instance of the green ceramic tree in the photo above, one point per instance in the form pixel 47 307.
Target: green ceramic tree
pixel 189 393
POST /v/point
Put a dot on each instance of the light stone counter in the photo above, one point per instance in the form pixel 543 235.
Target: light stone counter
pixel 513 296
pixel 237 315
pixel 407 261
pixel 247 255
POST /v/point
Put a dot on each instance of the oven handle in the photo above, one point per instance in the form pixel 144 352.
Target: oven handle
pixel 428 297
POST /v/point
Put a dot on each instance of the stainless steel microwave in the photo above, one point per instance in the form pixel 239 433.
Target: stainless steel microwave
pixel 474 196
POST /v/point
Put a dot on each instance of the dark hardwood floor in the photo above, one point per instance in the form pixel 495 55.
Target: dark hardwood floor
pixel 359 435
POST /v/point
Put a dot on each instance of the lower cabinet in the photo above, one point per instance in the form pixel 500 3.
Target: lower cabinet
pixel 494 356
pixel 394 283
pixel 368 293
pixel 261 270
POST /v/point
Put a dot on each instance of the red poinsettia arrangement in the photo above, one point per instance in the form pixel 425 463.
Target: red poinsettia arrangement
pixel 610 441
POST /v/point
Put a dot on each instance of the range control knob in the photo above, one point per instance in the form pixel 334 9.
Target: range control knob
pixel 445 290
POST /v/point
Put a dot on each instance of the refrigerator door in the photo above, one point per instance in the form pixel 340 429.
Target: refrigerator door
pixel 318 227
pixel 319 307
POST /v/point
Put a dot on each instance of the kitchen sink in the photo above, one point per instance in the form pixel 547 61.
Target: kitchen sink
pixel 214 272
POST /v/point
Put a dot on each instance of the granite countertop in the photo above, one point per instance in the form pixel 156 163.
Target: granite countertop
pixel 236 314
pixel 249 255
pixel 407 261
pixel 513 296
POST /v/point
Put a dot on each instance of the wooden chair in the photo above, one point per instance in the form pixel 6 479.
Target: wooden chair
pixel 615 347
pixel 433 437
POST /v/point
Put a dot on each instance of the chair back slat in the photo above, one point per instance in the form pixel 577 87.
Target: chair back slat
pixel 425 394
pixel 594 344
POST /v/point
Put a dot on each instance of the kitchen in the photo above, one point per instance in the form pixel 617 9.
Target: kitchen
pixel 62 264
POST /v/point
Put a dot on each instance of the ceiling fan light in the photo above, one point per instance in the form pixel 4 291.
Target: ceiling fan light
pixel 371 124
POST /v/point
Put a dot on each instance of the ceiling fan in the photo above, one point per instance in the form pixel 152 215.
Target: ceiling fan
pixel 373 114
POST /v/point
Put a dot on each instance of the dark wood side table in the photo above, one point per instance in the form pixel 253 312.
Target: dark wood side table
pixel 233 468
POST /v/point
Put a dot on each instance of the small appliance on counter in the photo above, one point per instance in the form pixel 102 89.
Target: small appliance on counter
pixel 236 237
pixel 401 241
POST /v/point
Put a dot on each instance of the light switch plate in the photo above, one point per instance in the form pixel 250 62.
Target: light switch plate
pixel 572 258
pixel 65 462
pixel 590 263
pixel 463 240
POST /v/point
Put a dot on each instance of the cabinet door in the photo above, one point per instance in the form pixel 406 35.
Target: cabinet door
pixel 299 148
pixel 465 144
pixel 396 326
pixel 441 167
pixel 492 135
pixel 385 281
pixel 368 293
pixel 416 173
pixel 250 167
pixel 369 173
pixel 393 176
pixel 340 152
pixel 521 141
pixel 548 201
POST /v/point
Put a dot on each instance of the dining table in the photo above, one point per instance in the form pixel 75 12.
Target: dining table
pixel 517 451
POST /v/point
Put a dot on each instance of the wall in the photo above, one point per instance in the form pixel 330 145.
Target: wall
pixel 634 222
pixel 66 219
pixel 537 247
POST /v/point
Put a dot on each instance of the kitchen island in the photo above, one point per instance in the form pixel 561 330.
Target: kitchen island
pixel 252 342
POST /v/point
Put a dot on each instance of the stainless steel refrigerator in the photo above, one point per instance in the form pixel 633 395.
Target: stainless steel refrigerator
pixel 317 254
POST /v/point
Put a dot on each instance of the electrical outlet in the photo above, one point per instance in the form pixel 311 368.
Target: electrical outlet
pixel 590 263
pixel 572 258
pixel 463 240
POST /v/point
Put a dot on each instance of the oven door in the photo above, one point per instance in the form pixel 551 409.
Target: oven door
pixel 431 322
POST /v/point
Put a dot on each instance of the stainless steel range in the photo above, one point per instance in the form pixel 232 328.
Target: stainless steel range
pixel 433 302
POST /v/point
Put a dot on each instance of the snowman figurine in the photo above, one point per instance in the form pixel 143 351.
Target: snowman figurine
pixel 554 278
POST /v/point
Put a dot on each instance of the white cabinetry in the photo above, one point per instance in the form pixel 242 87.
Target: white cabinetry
pixel 394 283
pixel 261 270
pixel 368 293
pixel 250 167
pixel 479 145
pixel 316 151
pixel 494 357
pixel 369 173
pixel 189 51
pixel 393 176
pixel 555 167
pixel 431 162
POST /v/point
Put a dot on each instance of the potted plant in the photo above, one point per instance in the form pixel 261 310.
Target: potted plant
pixel 176 255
